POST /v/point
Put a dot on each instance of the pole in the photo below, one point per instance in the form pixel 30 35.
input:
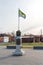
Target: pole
pixel 18 22
pixel 18 51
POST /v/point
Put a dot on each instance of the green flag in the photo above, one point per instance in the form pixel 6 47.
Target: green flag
pixel 21 14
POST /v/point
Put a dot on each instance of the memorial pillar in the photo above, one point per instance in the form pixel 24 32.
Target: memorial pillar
pixel 18 50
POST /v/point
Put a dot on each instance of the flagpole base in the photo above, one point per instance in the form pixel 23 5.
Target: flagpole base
pixel 18 51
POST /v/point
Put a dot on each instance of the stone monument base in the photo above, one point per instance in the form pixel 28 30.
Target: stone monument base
pixel 18 51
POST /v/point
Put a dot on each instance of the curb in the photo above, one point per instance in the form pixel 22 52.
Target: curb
pixel 14 47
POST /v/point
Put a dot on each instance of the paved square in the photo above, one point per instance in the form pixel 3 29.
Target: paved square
pixel 31 57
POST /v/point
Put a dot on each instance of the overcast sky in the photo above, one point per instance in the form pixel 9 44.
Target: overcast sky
pixel 9 15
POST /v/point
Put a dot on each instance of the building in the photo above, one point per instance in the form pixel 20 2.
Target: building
pixel 31 38
pixel 6 38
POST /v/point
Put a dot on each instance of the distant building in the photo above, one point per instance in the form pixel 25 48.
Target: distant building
pixel 6 38
pixel 27 38
pixel 31 38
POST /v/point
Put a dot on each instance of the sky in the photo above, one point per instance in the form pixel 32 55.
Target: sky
pixel 9 16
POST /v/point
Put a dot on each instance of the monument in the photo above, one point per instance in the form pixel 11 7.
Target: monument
pixel 19 51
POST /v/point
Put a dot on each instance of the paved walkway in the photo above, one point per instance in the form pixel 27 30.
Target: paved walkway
pixel 31 57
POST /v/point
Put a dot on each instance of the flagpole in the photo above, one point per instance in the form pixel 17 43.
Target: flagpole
pixel 18 22
pixel 18 51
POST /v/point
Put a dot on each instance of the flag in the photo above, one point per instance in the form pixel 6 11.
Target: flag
pixel 21 14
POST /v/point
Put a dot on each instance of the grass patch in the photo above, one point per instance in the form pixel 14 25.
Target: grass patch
pixel 23 44
pixel 33 44
pixel 7 44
